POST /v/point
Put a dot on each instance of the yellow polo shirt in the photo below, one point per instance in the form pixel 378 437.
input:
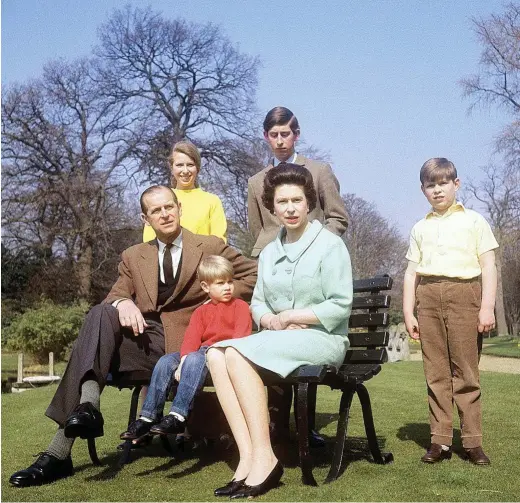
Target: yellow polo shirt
pixel 450 244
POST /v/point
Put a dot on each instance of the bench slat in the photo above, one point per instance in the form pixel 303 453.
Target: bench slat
pixel 371 301
pixel 368 339
pixel 313 373
pixel 370 320
pixel 366 356
pixel 373 284
pixel 359 372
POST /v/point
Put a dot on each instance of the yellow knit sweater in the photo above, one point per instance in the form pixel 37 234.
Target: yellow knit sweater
pixel 202 213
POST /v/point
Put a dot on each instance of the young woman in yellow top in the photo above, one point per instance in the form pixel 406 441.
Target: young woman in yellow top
pixel 202 212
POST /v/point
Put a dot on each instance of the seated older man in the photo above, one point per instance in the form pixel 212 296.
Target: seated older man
pixel 144 315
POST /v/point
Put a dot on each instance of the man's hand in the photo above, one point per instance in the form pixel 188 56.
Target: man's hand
pixel 178 371
pixel 486 320
pixel 130 316
pixel 412 327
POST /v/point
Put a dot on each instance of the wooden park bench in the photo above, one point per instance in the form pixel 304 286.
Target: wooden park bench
pixel 367 352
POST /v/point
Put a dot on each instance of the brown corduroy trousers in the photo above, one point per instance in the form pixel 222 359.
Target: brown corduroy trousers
pixel 447 311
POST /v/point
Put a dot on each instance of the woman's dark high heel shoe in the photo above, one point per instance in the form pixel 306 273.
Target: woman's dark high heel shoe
pixel 269 483
pixel 229 488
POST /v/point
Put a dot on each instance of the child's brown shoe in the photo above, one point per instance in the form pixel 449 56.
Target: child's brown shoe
pixel 477 456
pixel 435 454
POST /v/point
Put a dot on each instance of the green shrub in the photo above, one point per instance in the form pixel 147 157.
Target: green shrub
pixel 44 328
pixel 10 310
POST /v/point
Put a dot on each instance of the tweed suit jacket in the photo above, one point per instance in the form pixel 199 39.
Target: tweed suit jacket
pixel 139 280
pixel 330 209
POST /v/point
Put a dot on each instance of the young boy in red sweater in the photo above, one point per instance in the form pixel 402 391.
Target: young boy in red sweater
pixel 223 317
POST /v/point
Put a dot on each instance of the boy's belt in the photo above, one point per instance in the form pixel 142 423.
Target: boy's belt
pixel 443 279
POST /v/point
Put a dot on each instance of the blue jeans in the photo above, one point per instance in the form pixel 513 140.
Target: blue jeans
pixel 193 374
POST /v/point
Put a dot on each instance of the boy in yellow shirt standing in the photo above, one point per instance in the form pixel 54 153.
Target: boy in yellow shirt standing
pixel 449 249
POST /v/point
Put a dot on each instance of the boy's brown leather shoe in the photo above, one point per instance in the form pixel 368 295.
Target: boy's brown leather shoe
pixel 477 456
pixel 435 453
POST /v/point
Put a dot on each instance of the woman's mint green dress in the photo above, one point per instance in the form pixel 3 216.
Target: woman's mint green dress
pixel 313 272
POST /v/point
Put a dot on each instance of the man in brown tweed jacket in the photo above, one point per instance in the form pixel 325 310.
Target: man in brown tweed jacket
pixel 145 314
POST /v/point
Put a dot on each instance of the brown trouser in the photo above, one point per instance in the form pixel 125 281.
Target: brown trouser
pixel 447 311
pixel 102 347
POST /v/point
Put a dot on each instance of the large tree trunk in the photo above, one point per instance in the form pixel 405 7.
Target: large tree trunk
pixel 500 312
pixel 84 271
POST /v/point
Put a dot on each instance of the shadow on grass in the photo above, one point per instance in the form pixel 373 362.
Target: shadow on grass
pixel 324 419
pixel 356 449
pixel 205 455
pixel 420 434
pixel 417 432
pixel 111 463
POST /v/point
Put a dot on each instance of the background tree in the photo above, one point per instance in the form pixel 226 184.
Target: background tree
pixel 227 166
pixel 511 257
pixel 67 151
pixel 499 194
pixel 375 247
pixel 194 82
pixel 498 84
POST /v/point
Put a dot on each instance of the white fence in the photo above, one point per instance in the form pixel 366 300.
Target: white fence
pixel 398 347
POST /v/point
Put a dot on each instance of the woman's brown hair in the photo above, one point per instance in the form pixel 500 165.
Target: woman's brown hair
pixel 287 173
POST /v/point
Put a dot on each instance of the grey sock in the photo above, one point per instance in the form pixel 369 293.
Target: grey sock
pixel 90 393
pixel 60 445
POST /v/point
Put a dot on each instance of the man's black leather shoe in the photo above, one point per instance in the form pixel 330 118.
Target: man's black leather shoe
pixel 315 439
pixel 46 469
pixel 85 422
pixel 169 424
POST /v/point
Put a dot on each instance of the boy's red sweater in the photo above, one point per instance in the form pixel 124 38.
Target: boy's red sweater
pixel 211 323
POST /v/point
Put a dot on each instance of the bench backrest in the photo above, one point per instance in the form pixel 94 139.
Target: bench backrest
pixel 368 339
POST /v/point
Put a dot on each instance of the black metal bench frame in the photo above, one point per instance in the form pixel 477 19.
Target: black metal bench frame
pixel 367 352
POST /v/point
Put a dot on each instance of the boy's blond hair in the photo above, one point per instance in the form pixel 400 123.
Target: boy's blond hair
pixel 214 267
pixel 437 169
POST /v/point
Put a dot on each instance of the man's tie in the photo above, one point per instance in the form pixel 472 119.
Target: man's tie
pixel 168 265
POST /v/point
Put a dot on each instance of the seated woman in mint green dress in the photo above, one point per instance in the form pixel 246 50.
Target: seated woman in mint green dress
pixel 302 302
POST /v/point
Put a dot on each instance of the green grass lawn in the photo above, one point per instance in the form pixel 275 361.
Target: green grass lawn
pixel 503 345
pixel 400 410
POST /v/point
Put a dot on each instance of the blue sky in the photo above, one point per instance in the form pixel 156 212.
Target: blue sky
pixel 373 83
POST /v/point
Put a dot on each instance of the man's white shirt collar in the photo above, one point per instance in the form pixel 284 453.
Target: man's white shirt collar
pixel 291 160
pixel 177 243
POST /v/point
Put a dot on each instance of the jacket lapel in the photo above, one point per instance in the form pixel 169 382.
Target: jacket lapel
pixel 300 160
pixel 149 269
pixel 191 255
